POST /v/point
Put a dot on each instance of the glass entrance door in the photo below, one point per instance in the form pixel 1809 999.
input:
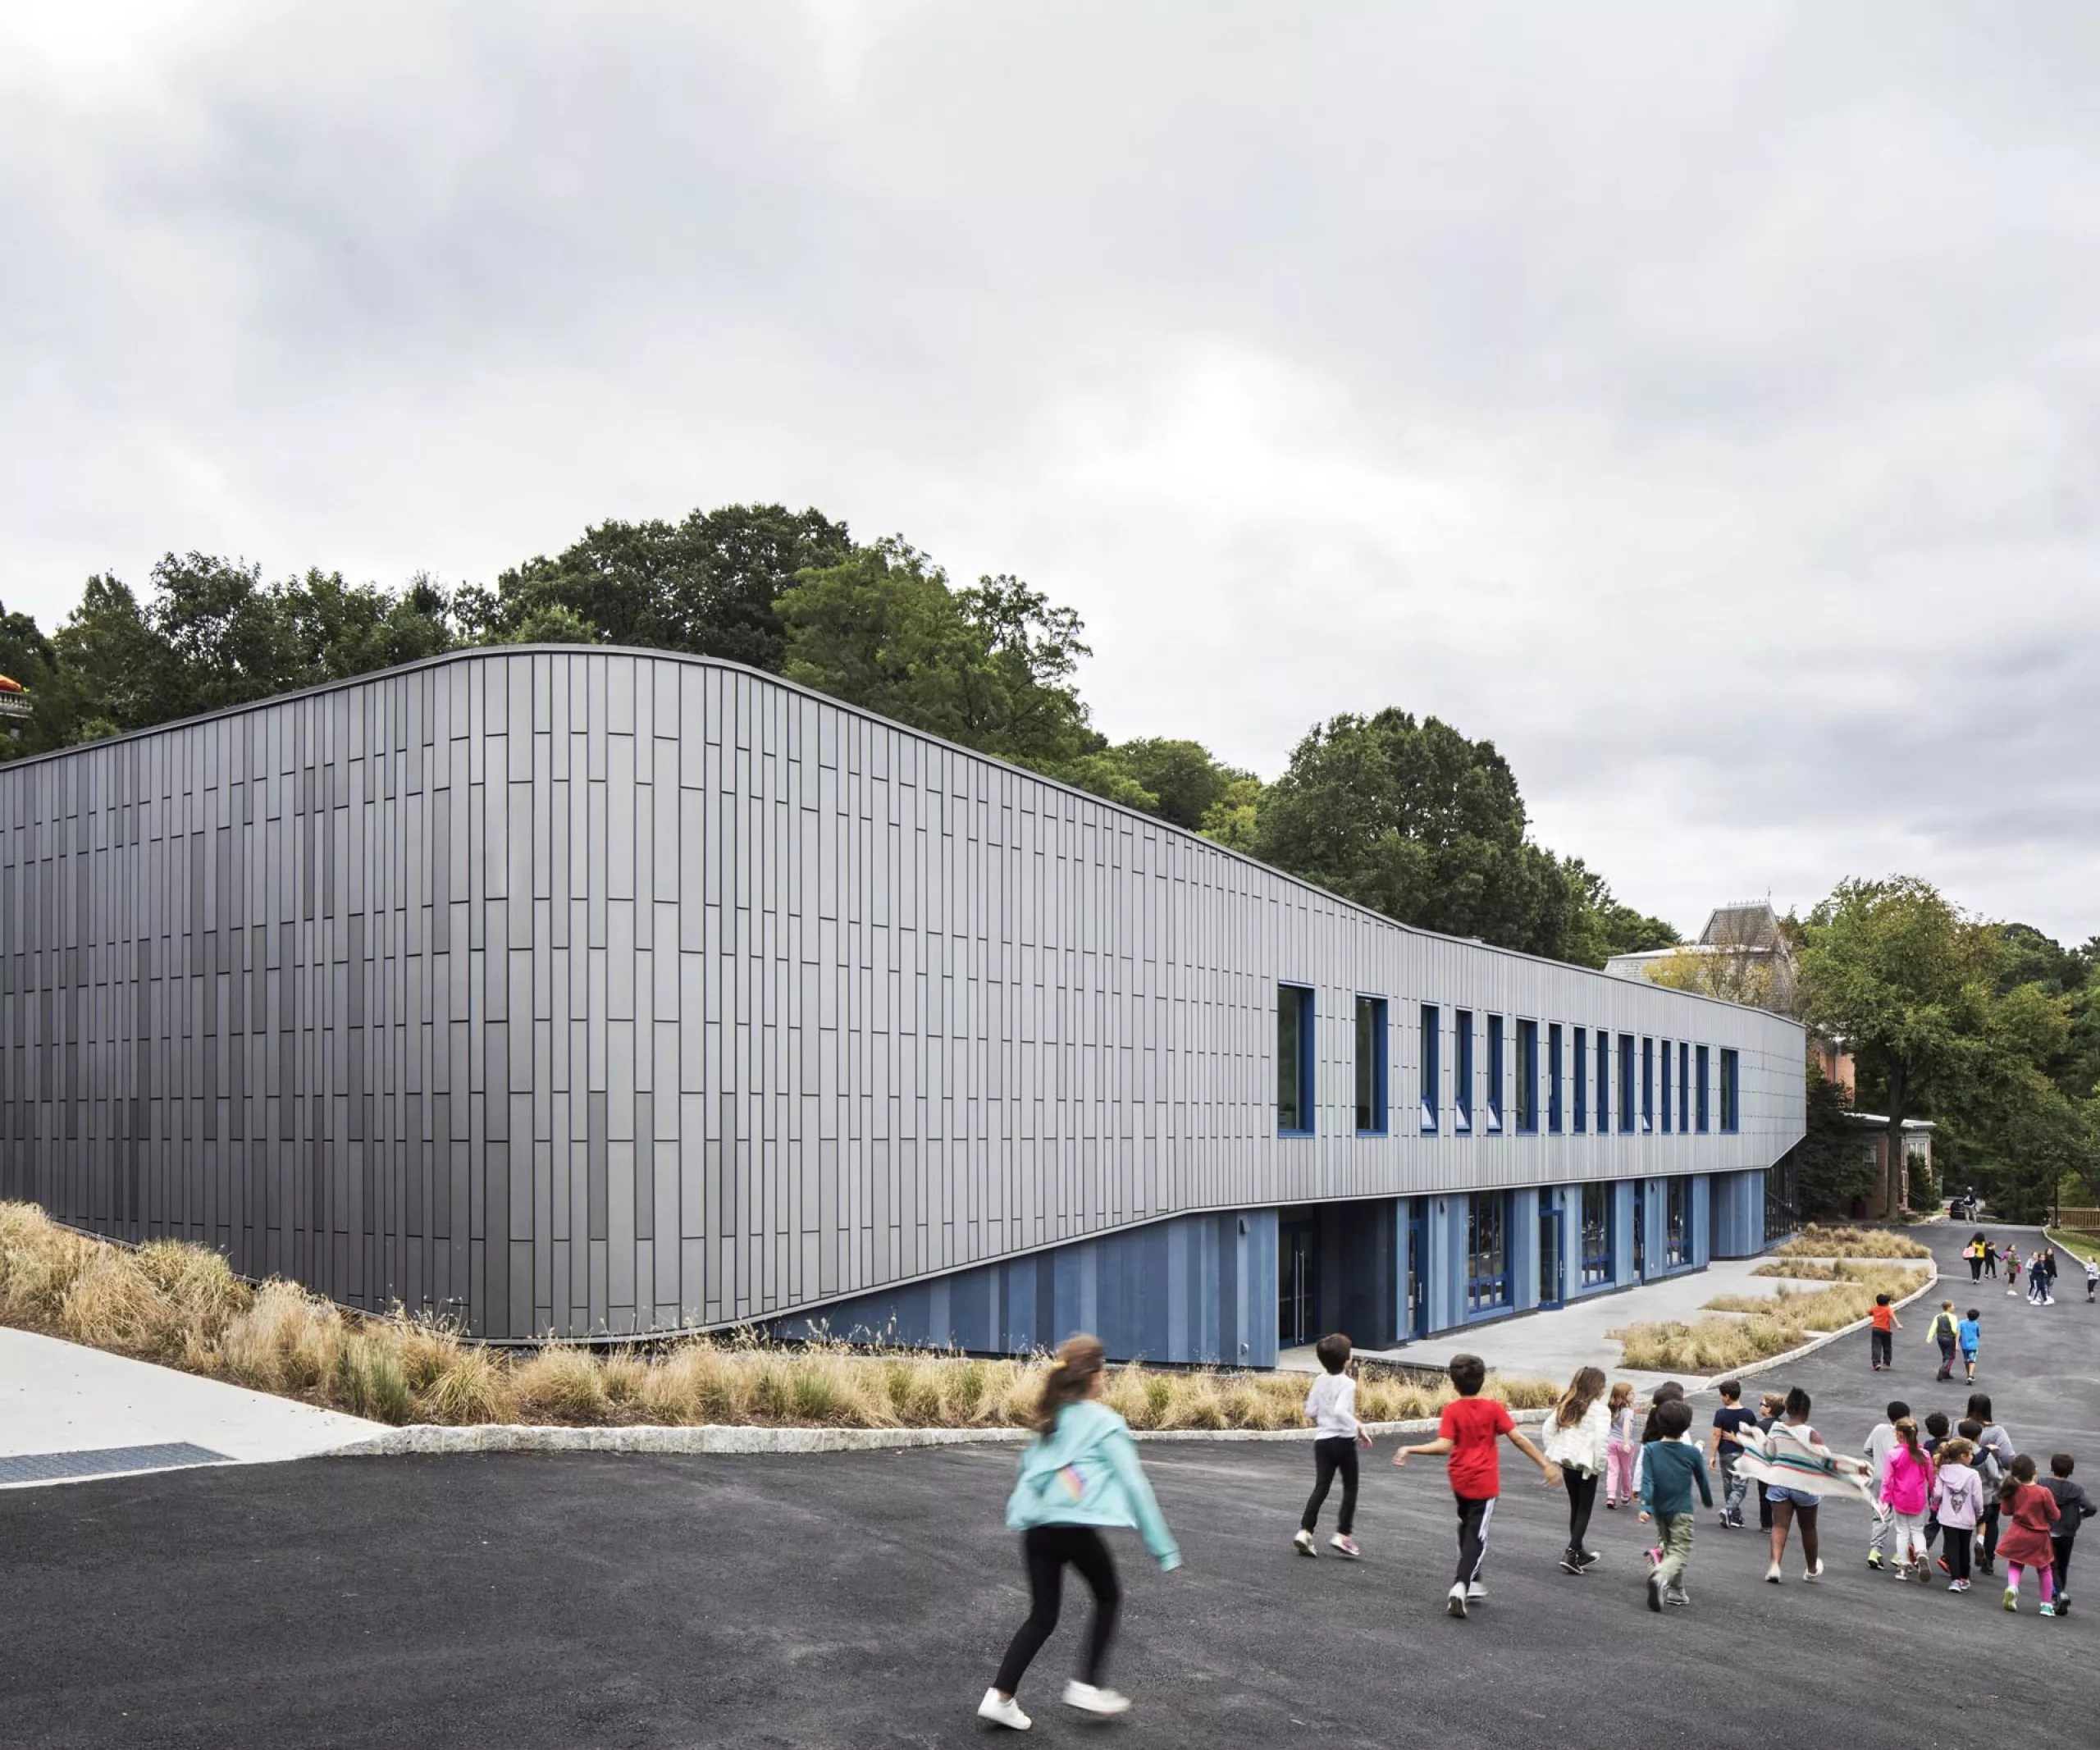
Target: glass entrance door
pixel 1550 1249
pixel 1414 1309
pixel 1297 1299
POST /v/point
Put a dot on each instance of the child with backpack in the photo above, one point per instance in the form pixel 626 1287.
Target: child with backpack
pixel 1946 1331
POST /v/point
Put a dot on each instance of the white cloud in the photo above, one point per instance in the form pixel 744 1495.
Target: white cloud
pixel 1698 405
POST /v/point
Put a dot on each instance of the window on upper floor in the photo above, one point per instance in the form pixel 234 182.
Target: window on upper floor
pixel 1553 1079
pixel 1432 1026
pixel 1495 1073
pixel 1294 1060
pixel 1370 1065
pixel 1731 1102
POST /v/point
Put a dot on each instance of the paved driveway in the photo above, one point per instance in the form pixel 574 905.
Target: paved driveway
pixel 861 1601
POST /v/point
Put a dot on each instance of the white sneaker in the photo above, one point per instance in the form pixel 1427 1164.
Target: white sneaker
pixel 1454 1600
pixel 1089 1700
pixel 1814 1573
pixel 1772 1574
pixel 1302 1543
pixel 1342 1546
pixel 1003 1709
pixel 1475 1593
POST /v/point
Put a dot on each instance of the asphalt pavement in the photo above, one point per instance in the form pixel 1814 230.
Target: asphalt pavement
pixel 862 1600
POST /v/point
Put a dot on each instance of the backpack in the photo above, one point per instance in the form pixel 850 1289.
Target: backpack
pixel 1943 1326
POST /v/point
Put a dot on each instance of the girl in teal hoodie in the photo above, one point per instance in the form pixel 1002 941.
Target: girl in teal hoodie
pixel 1080 1473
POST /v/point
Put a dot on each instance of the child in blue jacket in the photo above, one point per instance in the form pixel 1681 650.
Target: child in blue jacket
pixel 1080 1473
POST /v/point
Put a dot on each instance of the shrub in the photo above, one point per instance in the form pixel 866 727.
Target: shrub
pixel 1850 1242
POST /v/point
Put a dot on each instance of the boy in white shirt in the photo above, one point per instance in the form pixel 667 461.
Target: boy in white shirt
pixel 1879 1445
pixel 1331 1406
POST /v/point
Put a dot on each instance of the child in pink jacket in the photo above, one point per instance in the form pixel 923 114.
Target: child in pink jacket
pixel 1907 1490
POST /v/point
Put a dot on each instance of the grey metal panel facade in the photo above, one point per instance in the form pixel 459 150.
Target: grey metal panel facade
pixel 587 991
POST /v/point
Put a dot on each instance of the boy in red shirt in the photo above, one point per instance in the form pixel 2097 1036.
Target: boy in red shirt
pixel 1881 1340
pixel 1468 1429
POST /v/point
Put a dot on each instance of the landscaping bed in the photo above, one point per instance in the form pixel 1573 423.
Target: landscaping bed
pixel 181 1306
pixel 1770 1324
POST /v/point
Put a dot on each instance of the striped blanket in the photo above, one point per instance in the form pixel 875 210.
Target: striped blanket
pixel 1785 1457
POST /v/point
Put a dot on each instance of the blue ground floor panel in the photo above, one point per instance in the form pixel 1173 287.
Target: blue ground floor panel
pixel 1235 1288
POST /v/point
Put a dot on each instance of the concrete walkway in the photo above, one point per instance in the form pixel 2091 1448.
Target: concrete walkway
pixel 1553 1345
pixel 68 1413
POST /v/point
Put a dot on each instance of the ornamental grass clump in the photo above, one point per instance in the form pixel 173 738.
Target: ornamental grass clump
pixel 182 1305
pixel 1850 1242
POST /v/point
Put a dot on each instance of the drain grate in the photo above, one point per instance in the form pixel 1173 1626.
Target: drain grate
pixel 103 1461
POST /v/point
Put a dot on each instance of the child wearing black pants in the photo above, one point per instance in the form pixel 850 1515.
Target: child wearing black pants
pixel 2073 1507
pixel 1331 1406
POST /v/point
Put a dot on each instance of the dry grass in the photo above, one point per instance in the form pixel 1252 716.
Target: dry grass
pixel 1772 1324
pixel 1850 1242
pixel 180 1306
pixel 1710 1345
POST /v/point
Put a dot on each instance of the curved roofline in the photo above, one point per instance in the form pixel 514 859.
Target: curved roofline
pixel 480 652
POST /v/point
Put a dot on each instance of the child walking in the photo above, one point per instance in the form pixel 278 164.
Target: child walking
pixel 1946 1331
pixel 1729 1421
pixel 1881 1340
pixel 1907 1488
pixel 1080 1473
pixel 1670 1467
pixel 1575 1440
pixel 1959 1503
pixel 2072 1509
pixel 1331 1407
pixel 1619 1447
pixel 2027 1521
pixel 1970 1335
pixel 1880 1441
pixel 1468 1430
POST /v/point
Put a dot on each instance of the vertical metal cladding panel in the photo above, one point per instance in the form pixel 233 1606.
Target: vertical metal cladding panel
pixel 591 991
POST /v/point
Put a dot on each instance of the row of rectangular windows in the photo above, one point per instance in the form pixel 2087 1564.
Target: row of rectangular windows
pixel 1568 1106
pixel 1487 1240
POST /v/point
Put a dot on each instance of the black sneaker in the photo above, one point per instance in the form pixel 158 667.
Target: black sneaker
pixel 1588 1558
pixel 1655 1593
pixel 1569 1565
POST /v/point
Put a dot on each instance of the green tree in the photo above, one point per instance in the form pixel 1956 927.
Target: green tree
pixel 1186 780
pixel 988 667
pixel 340 629
pixel 1911 985
pixel 705 586
pixel 1234 820
pixel 1834 1162
pixel 1603 925
pixel 1414 820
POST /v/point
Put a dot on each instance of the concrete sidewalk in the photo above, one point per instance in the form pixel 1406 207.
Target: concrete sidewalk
pixel 1553 1345
pixel 68 1413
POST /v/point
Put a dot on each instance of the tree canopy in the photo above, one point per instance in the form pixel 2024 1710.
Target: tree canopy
pixel 1408 817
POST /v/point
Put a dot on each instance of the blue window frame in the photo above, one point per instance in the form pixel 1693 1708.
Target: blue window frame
pixel 1604 1082
pixel 1294 1061
pixel 1487 1251
pixel 1528 1078
pixel 1495 1074
pixel 1553 1078
pixel 1665 1055
pixel 1432 1022
pixel 1684 1087
pixel 1731 1105
pixel 1462 1071
pixel 1371 1067
pixel 1701 1089
pixel 1647 1086
pixel 1677 1223
pixel 1626 1115
pixel 1579 1079
pixel 1597 1224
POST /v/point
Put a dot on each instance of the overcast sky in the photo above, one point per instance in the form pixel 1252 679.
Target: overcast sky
pixel 1699 401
